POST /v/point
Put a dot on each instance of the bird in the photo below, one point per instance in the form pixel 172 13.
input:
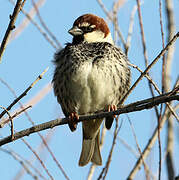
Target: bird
pixel 91 74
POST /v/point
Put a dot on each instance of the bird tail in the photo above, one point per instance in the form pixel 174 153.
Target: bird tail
pixel 96 158
pixel 91 151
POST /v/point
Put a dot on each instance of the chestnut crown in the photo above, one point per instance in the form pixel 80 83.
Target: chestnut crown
pixel 90 28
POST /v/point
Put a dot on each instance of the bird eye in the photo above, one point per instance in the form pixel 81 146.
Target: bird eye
pixel 87 29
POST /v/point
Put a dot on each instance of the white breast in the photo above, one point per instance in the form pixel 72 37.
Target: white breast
pixel 91 89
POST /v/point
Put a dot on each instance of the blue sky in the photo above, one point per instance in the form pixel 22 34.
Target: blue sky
pixel 28 55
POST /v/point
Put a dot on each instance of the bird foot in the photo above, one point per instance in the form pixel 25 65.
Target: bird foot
pixel 73 121
pixel 112 108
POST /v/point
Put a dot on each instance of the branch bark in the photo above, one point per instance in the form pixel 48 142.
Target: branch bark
pixel 11 26
pixel 167 87
pixel 137 106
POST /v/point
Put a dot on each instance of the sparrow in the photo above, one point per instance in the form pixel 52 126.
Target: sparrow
pixel 91 74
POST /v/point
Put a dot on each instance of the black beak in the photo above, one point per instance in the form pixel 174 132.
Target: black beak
pixel 75 31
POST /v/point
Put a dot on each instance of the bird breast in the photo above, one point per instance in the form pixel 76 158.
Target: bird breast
pixel 90 77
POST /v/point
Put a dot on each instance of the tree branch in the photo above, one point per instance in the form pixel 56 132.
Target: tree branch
pixel 149 145
pixel 150 65
pixel 11 26
pixel 137 106
pixel 24 93
pixel 169 7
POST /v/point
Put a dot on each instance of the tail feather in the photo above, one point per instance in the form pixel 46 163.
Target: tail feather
pixel 87 151
pixel 90 146
pixel 91 151
pixel 96 158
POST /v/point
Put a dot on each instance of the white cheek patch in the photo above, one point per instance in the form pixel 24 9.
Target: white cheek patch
pixel 98 36
pixel 94 36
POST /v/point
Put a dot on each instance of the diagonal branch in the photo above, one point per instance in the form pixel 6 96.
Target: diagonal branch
pixel 104 171
pixel 30 103
pixel 145 51
pixel 24 93
pixel 11 26
pixel 45 26
pixel 148 147
pixel 150 65
pixel 138 106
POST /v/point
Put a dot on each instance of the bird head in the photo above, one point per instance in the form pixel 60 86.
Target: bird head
pixel 90 28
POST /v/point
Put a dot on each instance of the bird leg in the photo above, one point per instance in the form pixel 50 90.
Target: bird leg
pixel 73 121
pixel 112 108
pixel 109 119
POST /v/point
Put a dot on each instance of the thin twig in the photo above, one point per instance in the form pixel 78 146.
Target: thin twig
pixel 163 44
pixel 54 158
pixel 146 104
pixel 24 93
pixel 37 156
pixel 30 18
pixel 24 163
pixel 32 102
pixel 157 89
pixel 14 115
pixel 136 154
pixel 112 20
pixel 11 26
pixel 43 140
pixel 150 66
pixel 128 147
pixel 142 33
pixel 145 51
pixel 22 5
pixel 39 150
pixel 139 149
pixel 115 21
pixel 147 76
pixel 130 30
pixel 25 22
pixel 104 9
pixel 108 162
pixel 45 26
pixel 148 147
pixel 10 117
pixel 116 132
